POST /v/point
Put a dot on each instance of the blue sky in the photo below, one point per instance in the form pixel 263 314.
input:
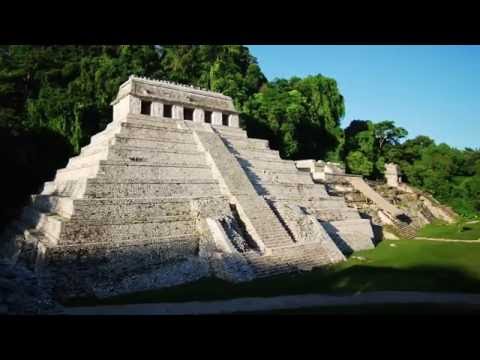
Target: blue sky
pixel 429 90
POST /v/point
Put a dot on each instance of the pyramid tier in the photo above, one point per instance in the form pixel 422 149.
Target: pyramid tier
pixel 156 188
pixel 111 261
pixel 126 209
pixel 285 177
pixel 64 231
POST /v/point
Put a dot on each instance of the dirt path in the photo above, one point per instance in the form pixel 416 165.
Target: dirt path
pixel 276 303
pixel 447 240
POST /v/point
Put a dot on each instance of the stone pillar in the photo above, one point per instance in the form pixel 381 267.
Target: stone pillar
pixel 127 105
pixel 216 118
pixel 199 116
pixel 135 105
pixel 157 109
pixel 233 120
pixel 177 112
pixel 392 175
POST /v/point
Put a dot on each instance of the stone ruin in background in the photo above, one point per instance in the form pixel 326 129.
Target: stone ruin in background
pixel 392 175
pixel 173 191
pixel 390 202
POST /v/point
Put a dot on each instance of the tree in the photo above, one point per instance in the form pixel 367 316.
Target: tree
pixel 386 133
pixel 300 117
pixel 358 163
pixel 376 141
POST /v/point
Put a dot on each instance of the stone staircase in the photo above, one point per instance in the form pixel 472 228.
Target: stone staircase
pixel 427 213
pixel 360 185
pixel 264 226
pixel 282 183
pixel 289 259
pixel 405 230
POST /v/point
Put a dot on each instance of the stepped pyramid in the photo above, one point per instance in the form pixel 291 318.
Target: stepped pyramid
pixel 172 191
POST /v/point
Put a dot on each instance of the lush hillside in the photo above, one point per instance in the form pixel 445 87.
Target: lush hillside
pixel 451 175
pixel 54 98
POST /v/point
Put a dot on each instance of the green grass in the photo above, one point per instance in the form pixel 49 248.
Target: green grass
pixel 460 231
pixel 408 265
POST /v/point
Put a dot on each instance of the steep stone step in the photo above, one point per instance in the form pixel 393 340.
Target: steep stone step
pixel 121 170
pixel 167 144
pixel 289 259
pixel 327 202
pixel 77 172
pixel 152 155
pixel 266 154
pixel 68 188
pixel 247 143
pixel 131 209
pixel 254 209
pixel 230 131
pixel 64 231
pixel 234 135
pixel 269 177
pixel 273 165
pixel 360 185
pixel 164 147
pixel 152 121
pixel 81 231
pixel 265 221
pixel 107 209
pixel 334 214
pixel 113 260
pixel 299 249
pixel 407 231
pixel 97 188
pixel 287 190
pixel 155 133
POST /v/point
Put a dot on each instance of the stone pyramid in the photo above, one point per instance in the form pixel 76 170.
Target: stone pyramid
pixel 172 191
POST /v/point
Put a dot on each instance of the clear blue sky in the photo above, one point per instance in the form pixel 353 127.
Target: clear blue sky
pixel 429 90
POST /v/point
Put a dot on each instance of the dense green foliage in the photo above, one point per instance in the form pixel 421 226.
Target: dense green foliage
pixel 68 89
pixel 367 146
pixel 230 70
pixel 54 98
pixel 451 175
pixel 301 117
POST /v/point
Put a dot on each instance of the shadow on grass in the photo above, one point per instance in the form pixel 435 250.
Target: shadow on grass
pixel 354 279
pixel 378 309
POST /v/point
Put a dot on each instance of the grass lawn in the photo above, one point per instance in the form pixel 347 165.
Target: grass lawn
pixel 416 265
pixel 460 231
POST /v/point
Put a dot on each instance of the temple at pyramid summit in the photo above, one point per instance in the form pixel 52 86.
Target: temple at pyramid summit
pixel 173 191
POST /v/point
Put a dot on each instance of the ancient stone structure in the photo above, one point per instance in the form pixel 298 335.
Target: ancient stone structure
pixel 393 203
pixel 392 175
pixel 172 191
